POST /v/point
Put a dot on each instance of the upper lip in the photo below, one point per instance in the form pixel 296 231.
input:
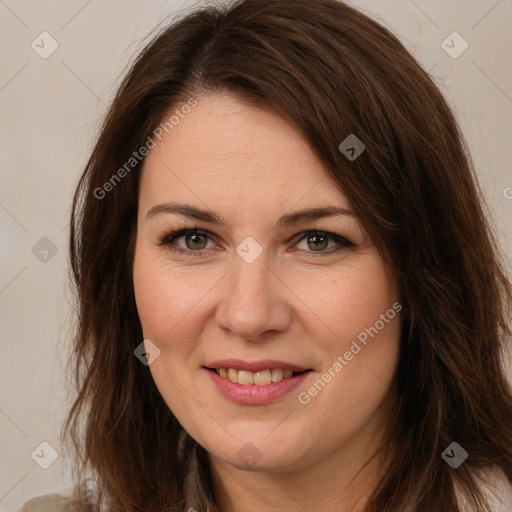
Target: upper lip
pixel 255 366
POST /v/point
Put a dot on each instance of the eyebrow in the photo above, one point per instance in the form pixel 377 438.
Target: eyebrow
pixel 289 219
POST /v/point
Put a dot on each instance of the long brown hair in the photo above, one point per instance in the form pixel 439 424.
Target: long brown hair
pixel 332 72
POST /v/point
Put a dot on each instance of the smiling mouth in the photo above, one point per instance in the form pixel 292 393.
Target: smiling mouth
pixel 261 378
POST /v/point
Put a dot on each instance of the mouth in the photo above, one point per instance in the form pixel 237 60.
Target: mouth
pixel 255 383
pixel 258 378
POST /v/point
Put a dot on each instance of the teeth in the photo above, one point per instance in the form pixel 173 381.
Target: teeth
pixel 262 378
pixel 259 378
pixel 277 375
pixel 245 377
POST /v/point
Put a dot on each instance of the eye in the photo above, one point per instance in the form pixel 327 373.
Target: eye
pixel 318 242
pixel 195 242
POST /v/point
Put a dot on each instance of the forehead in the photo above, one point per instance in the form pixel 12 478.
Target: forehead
pixel 226 152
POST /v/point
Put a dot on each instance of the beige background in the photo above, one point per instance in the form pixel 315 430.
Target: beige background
pixel 50 112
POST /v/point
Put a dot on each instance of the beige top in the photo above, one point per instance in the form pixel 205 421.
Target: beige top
pixel 497 489
pixel 49 503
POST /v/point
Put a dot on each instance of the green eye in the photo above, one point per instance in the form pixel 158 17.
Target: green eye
pixel 319 240
pixel 196 240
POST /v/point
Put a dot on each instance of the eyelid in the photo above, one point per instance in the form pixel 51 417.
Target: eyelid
pixel 168 238
pixel 341 240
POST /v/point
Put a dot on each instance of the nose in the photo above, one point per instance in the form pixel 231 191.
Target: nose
pixel 253 300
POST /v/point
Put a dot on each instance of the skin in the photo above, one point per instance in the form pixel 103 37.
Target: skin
pixel 250 166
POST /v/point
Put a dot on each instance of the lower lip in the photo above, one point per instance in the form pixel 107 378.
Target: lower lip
pixel 254 394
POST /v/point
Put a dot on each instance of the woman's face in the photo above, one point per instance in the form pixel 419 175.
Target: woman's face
pixel 243 293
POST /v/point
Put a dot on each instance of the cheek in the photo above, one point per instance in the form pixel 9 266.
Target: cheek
pixel 168 298
pixel 341 303
pixel 169 307
pixel 356 325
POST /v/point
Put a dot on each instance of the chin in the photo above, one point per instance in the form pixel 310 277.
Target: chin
pixel 262 454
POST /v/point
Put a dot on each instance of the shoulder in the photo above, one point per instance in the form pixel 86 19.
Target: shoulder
pixel 49 503
pixel 496 488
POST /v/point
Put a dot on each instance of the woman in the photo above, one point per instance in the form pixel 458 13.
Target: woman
pixel 290 297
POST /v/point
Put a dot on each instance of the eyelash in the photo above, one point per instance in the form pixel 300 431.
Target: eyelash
pixel 167 240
